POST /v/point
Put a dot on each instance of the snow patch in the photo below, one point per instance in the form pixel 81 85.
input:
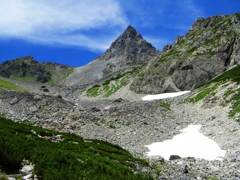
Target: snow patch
pixel 163 96
pixel 190 143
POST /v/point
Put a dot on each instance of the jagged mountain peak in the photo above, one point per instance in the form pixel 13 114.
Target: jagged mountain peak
pixel 130 45
pixel 130 32
pixel 128 49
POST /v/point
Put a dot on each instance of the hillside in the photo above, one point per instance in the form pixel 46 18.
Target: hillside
pixel 209 48
pixel 27 69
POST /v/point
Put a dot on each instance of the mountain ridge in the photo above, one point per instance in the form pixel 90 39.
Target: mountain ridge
pixel 208 49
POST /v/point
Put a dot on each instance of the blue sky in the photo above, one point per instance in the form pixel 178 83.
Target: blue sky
pixel 75 32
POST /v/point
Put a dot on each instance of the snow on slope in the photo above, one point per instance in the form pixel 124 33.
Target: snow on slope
pixel 190 143
pixel 163 96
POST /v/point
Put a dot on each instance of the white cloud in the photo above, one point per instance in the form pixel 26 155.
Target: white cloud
pixel 92 24
pixel 63 22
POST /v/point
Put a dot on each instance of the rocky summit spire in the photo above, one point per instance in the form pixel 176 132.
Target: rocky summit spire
pixel 130 47
pixel 130 32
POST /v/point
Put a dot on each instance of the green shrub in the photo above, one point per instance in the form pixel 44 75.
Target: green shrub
pixel 3 176
pixel 65 160
pixel 238 16
pixel 93 91
pixel 115 88
pixel 112 126
pixel 165 105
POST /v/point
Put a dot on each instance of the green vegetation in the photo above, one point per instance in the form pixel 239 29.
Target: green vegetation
pixel 230 75
pixel 67 72
pixel 51 82
pixel 93 91
pixel 115 88
pixel 112 126
pixel 213 41
pixel 107 87
pixel 128 123
pixel 202 94
pixel 191 50
pixel 3 176
pixel 219 25
pixel 183 44
pixel 119 76
pixel 169 53
pixel 238 16
pixel 7 85
pixel 26 69
pixel 199 32
pixel 71 158
pixel 165 105
pixel 59 77
pixel 97 124
pixel 212 178
pixel 24 79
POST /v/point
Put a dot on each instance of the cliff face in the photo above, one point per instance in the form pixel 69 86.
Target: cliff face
pixel 209 48
pixel 129 49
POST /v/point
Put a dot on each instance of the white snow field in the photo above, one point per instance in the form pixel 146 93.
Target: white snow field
pixel 190 143
pixel 163 96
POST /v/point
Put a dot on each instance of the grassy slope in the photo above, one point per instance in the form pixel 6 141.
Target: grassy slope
pixel 59 77
pixel 112 85
pixel 72 158
pixel 108 88
pixel 232 75
pixel 9 86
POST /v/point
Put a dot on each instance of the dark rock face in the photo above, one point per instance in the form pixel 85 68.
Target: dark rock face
pixel 208 49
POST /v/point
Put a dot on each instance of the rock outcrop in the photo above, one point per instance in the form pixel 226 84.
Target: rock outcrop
pixel 28 69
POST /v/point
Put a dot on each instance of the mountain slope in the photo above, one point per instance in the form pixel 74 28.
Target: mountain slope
pixel 129 49
pixel 209 48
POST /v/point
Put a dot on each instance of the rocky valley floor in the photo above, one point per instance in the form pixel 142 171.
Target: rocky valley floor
pixel 134 124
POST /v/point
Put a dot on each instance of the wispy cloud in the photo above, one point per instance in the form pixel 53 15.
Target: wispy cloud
pixel 92 24
pixel 61 22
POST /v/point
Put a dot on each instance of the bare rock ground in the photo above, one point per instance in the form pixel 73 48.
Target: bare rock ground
pixel 132 123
